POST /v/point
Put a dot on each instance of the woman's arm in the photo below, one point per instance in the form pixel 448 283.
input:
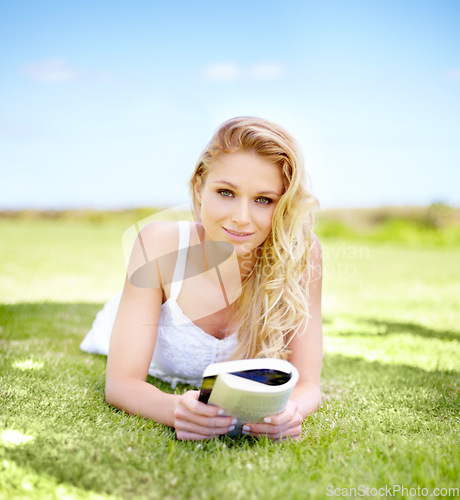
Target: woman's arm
pixel 306 356
pixel 307 348
pixel 130 354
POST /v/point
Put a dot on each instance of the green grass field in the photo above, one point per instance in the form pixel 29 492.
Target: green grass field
pixel 390 414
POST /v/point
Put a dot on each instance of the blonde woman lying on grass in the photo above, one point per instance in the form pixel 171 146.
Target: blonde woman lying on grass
pixel 249 191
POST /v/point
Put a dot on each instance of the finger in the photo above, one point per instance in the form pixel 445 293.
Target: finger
pixel 292 428
pixel 183 414
pixel 188 429
pixel 290 417
pixel 293 432
pixel 284 417
pixel 189 426
pixel 191 402
pixel 294 436
pixel 261 429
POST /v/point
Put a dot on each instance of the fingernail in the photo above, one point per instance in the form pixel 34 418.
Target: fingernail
pixel 221 411
pixel 231 428
pixel 246 428
pixel 234 421
pixel 267 420
pixel 244 432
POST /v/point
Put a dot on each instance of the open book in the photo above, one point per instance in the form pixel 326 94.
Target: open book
pixel 249 389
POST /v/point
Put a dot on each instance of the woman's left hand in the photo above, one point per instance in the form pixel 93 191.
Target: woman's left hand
pixel 279 426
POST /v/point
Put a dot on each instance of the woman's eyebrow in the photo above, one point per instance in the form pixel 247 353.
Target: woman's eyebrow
pixel 236 187
pixel 226 182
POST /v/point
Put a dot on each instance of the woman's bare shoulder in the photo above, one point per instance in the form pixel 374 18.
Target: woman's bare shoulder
pixel 155 250
pixel 161 236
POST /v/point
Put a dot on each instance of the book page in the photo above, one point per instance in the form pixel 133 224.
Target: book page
pixel 247 405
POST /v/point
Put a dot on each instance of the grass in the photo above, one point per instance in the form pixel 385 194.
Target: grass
pixel 390 413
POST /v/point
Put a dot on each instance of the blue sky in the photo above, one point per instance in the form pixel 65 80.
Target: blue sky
pixel 108 104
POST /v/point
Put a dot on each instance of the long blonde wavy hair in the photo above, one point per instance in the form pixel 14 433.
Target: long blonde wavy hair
pixel 273 301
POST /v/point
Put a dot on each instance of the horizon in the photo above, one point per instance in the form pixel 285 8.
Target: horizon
pixel 161 208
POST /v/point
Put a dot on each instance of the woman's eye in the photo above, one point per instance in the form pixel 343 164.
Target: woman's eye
pixel 264 201
pixel 225 192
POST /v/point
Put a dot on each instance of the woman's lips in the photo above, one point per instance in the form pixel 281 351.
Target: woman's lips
pixel 237 234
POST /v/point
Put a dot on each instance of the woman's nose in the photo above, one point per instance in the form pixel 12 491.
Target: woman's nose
pixel 241 214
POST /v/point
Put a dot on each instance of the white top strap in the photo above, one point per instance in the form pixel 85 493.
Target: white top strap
pixel 179 270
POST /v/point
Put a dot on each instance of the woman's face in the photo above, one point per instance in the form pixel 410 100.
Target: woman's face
pixel 238 199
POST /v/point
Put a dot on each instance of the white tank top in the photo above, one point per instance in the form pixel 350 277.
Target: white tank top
pixel 182 349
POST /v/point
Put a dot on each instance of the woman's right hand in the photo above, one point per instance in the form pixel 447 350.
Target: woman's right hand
pixel 194 420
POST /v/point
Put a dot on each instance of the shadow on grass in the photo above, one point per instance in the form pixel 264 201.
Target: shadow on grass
pixel 37 320
pixel 121 454
pixel 101 449
pixel 377 327
pixel 70 319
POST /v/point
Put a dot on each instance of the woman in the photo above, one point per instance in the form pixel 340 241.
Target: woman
pixel 262 300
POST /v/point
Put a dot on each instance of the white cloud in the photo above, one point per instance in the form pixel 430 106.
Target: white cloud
pixel 51 71
pixel 267 71
pixel 224 72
